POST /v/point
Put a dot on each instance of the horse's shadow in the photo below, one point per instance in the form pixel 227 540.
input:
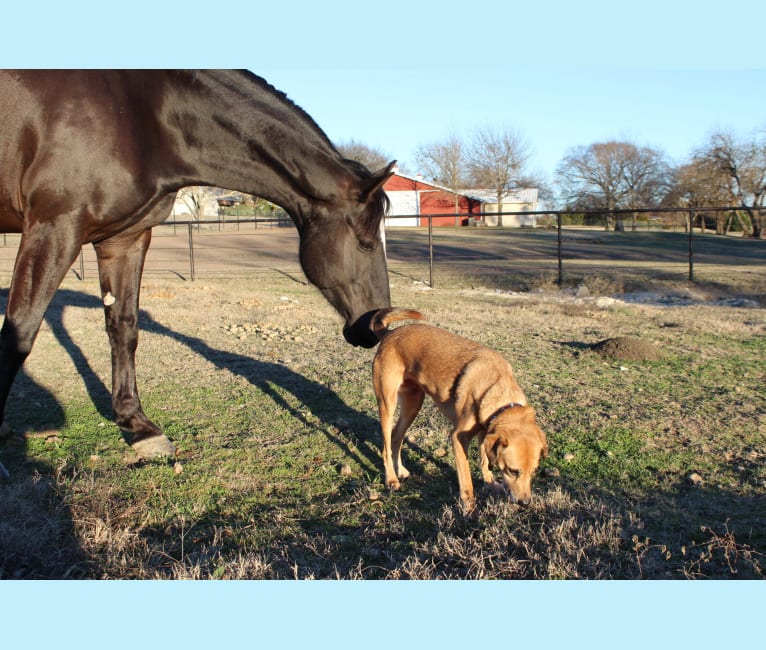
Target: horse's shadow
pixel 321 402
pixel 34 410
pixel 37 534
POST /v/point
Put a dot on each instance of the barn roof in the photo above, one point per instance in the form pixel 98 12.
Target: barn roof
pixel 524 195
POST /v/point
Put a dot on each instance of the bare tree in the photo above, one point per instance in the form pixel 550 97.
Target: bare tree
pixel 743 164
pixel 497 159
pixel 647 176
pixel 612 175
pixel 698 184
pixel 192 198
pixel 445 163
pixel 369 156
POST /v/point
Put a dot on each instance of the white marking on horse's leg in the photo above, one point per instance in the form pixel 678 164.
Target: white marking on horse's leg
pixel 154 447
pixel 109 299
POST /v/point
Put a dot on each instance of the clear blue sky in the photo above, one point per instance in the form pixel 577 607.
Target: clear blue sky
pixel 396 75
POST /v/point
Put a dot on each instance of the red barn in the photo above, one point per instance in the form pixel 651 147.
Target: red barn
pixel 415 198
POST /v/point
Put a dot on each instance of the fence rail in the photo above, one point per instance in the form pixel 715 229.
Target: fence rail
pixel 187 248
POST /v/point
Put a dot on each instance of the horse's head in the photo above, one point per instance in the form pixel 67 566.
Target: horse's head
pixel 342 254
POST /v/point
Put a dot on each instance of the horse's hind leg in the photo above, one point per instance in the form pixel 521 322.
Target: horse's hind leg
pixel 44 257
pixel 120 265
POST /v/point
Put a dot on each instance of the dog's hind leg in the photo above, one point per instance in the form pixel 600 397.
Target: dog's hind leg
pixel 385 392
pixel 410 400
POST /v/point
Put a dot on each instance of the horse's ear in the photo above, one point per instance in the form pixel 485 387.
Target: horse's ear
pixel 377 181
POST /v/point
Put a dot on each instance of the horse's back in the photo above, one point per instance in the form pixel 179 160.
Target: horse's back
pixel 76 139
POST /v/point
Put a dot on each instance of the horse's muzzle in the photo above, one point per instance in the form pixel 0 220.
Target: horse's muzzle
pixel 360 333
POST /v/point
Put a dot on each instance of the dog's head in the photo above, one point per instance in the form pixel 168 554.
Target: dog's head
pixel 515 444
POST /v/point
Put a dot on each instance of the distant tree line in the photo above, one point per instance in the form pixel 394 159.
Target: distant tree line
pixel 726 171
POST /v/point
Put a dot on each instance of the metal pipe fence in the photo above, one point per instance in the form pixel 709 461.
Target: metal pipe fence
pixel 248 245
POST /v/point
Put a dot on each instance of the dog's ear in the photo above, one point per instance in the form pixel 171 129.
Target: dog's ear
pixel 527 415
pixel 491 442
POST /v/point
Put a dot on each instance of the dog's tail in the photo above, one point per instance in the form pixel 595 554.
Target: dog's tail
pixel 384 317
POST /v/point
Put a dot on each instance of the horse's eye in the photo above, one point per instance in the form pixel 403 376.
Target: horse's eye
pixel 366 247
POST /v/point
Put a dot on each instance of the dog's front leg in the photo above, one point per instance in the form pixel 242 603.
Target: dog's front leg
pixel 460 441
pixel 386 410
pixel 486 474
pixel 391 479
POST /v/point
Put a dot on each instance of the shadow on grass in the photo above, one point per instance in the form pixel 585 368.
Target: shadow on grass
pixel 31 408
pixel 37 534
pixel 683 531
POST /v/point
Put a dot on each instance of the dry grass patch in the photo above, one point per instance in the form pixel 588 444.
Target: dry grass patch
pixel 656 467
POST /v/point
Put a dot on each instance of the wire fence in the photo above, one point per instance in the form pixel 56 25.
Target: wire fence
pixel 675 240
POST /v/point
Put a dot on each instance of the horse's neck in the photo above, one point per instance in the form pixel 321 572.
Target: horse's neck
pixel 240 134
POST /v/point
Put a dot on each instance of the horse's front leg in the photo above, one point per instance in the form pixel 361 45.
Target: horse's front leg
pixel 44 257
pixel 120 265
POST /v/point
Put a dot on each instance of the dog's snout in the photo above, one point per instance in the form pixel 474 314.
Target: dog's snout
pixel 525 501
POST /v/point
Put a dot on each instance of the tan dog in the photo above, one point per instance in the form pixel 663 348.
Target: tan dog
pixel 472 385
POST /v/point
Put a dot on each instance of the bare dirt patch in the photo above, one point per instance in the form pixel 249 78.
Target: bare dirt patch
pixel 627 348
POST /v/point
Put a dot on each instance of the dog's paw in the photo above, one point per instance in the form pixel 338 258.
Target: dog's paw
pixel 393 484
pixel 470 509
pixel 403 473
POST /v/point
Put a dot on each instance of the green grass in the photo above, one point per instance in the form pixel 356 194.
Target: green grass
pixel 279 473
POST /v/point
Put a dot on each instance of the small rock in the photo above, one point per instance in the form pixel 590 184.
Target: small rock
pixel 178 468
pixel 569 457
pixel 345 470
pixel 441 452
pixel 694 478
pixel 373 495
pixel 551 471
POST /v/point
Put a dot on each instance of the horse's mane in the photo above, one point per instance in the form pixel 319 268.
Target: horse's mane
pixel 367 228
pixel 289 103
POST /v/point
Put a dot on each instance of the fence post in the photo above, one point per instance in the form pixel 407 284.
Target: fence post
pixel 191 251
pixel 430 252
pixel 561 266
pixel 691 246
pixel 82 265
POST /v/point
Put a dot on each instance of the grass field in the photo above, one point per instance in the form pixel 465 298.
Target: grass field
pixel 657 467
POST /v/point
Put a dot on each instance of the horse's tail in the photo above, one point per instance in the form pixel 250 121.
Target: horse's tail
pixel 384 317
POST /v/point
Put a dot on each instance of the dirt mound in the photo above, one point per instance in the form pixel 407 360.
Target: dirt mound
pixel 627 348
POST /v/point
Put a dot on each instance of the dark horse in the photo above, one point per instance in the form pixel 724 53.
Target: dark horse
pixel 97 156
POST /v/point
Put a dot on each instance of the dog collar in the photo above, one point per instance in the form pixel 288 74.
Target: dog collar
pixel 510 405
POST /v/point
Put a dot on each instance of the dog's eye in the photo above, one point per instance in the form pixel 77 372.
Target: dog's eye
pixel 513 472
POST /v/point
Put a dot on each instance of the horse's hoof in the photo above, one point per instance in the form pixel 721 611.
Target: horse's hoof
pixel 154 448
